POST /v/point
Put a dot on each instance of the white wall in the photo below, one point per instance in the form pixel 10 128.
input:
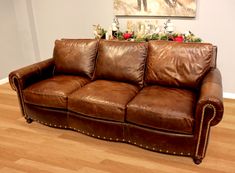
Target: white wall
pixel 49 20
pixel 57 19
pixel 15 36
pixel 9 41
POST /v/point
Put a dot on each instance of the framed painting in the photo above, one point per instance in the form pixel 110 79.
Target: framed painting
pixel 177 8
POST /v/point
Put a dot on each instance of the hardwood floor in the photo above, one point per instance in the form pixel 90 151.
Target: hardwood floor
pixel 36 148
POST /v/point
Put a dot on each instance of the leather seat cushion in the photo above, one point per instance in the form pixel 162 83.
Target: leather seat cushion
pixel 168 109
pixel 53 92
pixel 103 99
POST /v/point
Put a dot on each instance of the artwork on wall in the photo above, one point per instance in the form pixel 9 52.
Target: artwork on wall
pixel 179 8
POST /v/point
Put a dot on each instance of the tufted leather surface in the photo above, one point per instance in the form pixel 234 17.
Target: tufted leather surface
pixel 75 56
pixel 103 99
pixel 178 64
pixel 121 61
pixel 169 109
pixel 53 92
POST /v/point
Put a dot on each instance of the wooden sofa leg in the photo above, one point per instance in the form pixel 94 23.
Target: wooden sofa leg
pixel 29 120
pixel 197 160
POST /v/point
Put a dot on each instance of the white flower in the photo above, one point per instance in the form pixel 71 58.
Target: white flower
pixel 187 33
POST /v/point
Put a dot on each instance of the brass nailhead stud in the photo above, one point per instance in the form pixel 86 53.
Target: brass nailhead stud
pixel 160 150
pixel 110 139
pixel 167 151
pixel 129 141
pixel 181 153
pixel 147 147
pixel 141 145
pixel 98 136
pixel 104 137
pixel 117 139
pixel 123 139
pixel 93 135
pixel 189 154
pixel 174 152
pixel 153 148
pixel 135 143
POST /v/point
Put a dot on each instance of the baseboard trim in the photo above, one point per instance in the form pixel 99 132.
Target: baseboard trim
pixel 229 95
pixel 3 81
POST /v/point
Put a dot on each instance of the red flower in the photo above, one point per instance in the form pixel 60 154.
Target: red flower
pixel 179 38
pixel 127 36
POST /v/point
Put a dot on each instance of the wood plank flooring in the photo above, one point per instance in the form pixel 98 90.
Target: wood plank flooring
pixel 35 148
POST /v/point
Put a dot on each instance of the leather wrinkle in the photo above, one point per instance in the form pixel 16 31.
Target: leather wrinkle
pixel 143 109
pixel 181 65
pixel 121 62
pixel 75 56
pixel 103 98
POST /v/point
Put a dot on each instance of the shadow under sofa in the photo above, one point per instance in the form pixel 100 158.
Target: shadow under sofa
pixel 158 95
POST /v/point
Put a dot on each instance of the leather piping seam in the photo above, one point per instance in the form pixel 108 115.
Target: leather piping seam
pixel 207 128
pixel 20 95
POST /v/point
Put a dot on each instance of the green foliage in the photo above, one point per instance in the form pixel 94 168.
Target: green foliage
pixel 162 36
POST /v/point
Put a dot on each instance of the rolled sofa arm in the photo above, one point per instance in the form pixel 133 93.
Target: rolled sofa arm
pixel 28 75
pixel 210 102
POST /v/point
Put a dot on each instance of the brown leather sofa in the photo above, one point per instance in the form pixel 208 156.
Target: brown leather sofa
pixel 158 95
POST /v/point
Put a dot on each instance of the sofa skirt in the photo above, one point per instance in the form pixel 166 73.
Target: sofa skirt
pixel 150 139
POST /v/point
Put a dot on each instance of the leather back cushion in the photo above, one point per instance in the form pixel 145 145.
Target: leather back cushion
pixel 178 64
pixel 121 61
pixel 75 56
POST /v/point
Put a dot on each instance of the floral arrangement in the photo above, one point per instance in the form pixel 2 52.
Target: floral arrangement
pixel 99 32
pixel 145 32
pixel 187 37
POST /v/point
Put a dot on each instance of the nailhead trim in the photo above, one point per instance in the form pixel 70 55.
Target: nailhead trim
pixel 111 139
pixel 207 129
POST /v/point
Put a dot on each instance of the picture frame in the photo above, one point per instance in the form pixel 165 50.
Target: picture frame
pixel 163 8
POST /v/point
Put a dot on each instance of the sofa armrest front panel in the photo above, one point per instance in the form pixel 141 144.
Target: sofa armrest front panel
pixel 209 111
pixel 28 75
